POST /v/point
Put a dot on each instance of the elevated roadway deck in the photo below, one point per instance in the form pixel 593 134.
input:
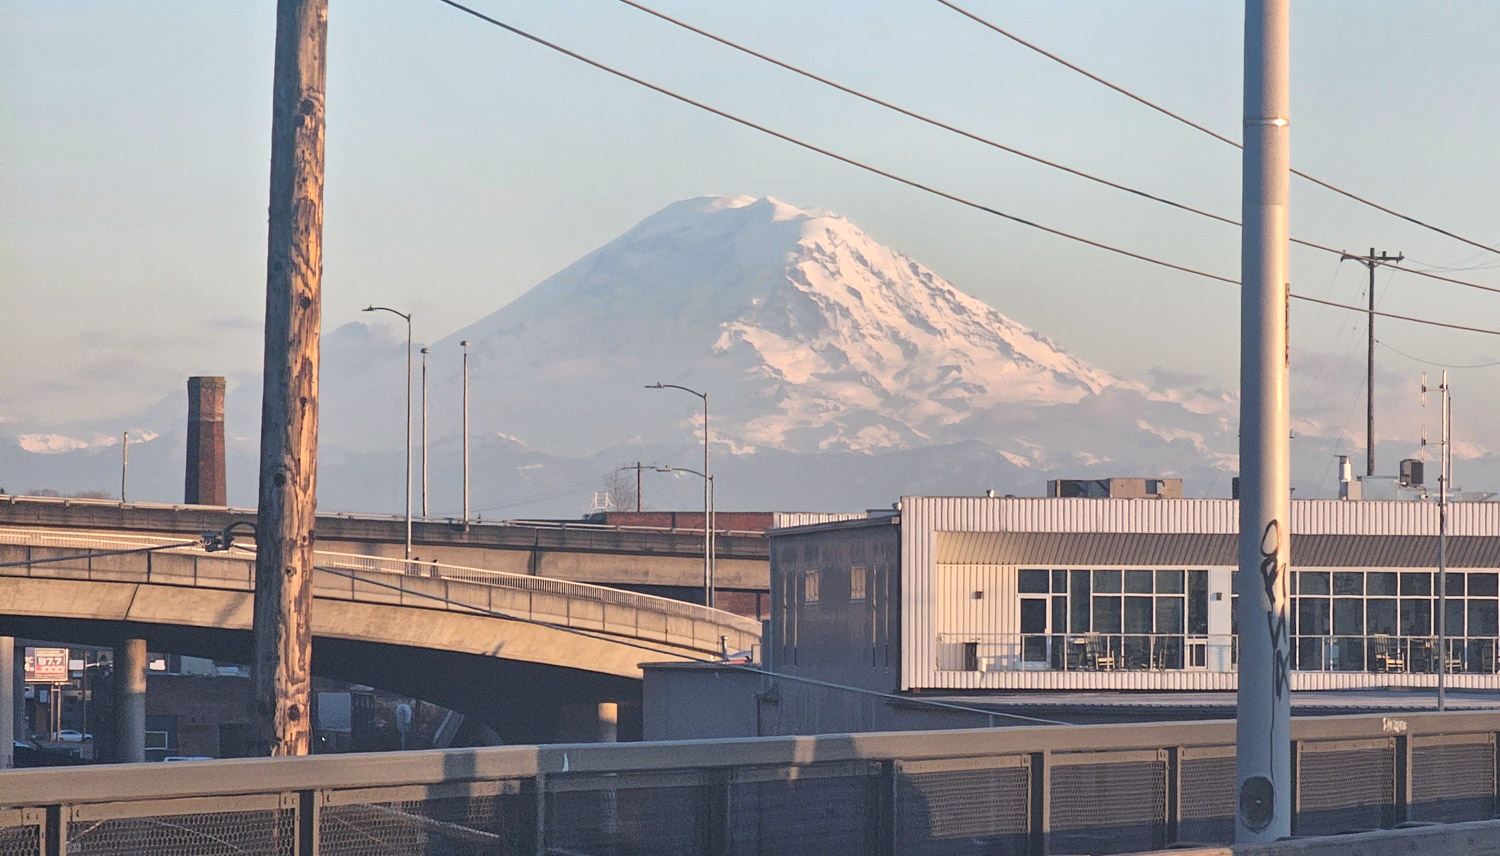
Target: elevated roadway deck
pixel 509 649
pixel 665 562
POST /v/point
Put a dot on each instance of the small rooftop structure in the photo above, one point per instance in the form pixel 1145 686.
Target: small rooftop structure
pixel 1115 488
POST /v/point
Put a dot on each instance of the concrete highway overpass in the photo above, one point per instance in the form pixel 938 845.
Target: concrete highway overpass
pixel 663 562
pixel 514 651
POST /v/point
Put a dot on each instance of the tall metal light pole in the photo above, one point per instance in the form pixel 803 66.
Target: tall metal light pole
pixel 708 481
pixel 425 352
pixel 124 461
pixel 708 523
pixel 1445 479
pixel 465 345
pixel 407 318
pixel 1263 737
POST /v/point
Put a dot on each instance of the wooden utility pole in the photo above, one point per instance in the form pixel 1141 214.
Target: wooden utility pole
pixel 1371 261
pixel 289 403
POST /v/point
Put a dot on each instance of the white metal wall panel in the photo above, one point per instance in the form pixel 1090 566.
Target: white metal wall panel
pixel 1195 516
pixel 790 519
pixel 946 527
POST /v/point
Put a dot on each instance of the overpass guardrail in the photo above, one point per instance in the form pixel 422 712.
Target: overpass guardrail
pixel 1026 791
pixel 429 585
pixel 580 525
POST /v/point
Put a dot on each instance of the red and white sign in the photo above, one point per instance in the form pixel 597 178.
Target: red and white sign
pixel 47 665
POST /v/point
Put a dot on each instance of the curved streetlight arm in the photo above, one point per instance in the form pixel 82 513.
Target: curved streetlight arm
pixel 407 318
pixel 679 470
pixel 659 385
pixel 373 308
pixel 708 498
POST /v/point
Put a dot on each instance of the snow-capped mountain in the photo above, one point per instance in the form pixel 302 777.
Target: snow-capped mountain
pixel 807 334
pixel 840 373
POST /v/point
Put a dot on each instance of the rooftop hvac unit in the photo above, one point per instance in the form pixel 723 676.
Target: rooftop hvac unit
pixel 1411 473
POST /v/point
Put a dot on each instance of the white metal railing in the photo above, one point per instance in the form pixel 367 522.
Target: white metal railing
pixel 1392 654
pixel 1108 652
pixel 1086 652
pixel 739 628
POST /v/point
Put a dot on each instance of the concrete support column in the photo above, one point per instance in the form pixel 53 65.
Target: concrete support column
pixel 608 720
pixel 7 702
pixel 130 701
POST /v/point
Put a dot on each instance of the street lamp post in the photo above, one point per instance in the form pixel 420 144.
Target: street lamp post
pixel 708 527
pixel 425 352
pixel 713 563
pixel 465 345
pixel 407 318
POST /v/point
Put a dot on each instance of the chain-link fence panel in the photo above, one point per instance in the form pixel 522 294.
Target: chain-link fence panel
pixel 630 815
pixel 1344 786
pixel 261 825
pixel 1453 778
pixel 21 832
pixel 491 818
pixel 1108 802
pixel 963 806
pixel 820 808
pixel 1207 789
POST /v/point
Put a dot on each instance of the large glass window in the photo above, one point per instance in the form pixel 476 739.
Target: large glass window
pixel 1032 581
pixel 1197 603
pixel 1106 614
pixel 1081 605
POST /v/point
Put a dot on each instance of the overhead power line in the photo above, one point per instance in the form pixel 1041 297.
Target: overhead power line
pixel 1382 343
pixel 952 197
pixel 1212 133
pixel 978 138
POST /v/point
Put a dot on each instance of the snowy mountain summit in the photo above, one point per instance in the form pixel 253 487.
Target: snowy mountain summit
pixel 807 334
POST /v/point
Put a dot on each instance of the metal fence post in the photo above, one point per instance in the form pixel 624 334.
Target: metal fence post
pixel 308 806
pixel 541 813
pixel 1041 803
pixel 1296 778
pixel 1174 795
pixel 720 814
pixel 1401 812
pixel 55 836
pixel 887 825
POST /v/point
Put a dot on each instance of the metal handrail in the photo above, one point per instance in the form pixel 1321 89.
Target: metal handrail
pixel 12 499
pixel 1091 652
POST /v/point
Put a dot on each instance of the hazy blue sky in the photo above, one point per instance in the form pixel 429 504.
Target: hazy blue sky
pixel 464 165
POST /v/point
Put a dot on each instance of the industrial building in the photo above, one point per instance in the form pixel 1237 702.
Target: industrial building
pixel 1000 597
pixel 975 593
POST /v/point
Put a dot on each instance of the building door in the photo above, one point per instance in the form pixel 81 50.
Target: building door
pixel 1035 627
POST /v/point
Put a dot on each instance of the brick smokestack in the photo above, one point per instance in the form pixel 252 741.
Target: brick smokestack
pixel 205 442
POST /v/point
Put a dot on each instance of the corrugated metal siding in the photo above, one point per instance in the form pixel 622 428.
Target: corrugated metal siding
pixel 789 519
pixel 1146 532
pixel 1199 516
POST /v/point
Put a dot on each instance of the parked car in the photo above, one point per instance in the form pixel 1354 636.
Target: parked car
pixel 68 735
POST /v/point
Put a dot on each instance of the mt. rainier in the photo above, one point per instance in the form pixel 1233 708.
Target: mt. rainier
pixel 808 336
pixel 840 374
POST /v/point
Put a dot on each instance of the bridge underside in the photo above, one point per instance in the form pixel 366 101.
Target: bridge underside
pixel 524 702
